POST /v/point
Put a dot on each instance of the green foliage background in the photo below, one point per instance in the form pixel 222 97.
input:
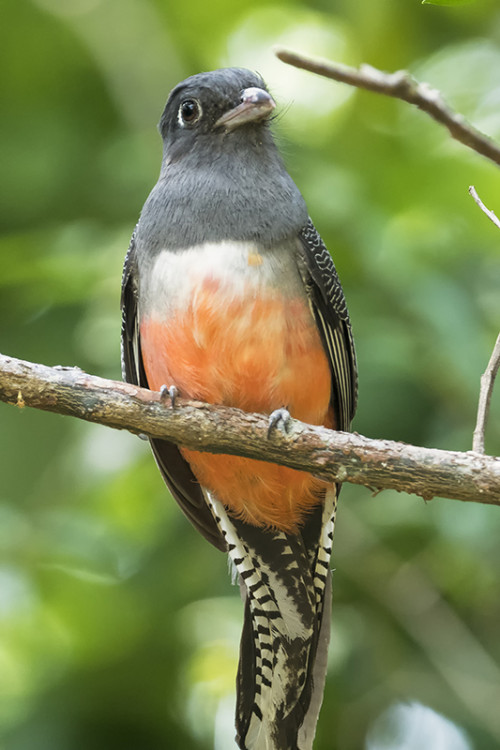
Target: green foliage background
pixel 118 625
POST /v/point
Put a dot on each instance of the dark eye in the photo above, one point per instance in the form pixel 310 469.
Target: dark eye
pixel 189 112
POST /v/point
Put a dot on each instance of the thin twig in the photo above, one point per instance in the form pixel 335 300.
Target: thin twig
pixel 333 456
pixel 487 383
pixel 490 214
pixel 489 375
pixel 400 85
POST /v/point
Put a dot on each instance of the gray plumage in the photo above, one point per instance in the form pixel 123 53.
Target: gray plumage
pixel 206 177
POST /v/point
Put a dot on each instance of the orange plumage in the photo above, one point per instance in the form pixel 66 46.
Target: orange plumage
pixel 258 353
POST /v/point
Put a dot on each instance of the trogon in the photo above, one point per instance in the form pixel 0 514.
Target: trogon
pixel 229 296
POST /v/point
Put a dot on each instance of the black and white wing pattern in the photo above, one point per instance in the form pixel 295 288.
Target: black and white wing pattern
pixel 328 304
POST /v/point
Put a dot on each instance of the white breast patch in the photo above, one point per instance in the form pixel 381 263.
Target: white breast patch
pixel 238 268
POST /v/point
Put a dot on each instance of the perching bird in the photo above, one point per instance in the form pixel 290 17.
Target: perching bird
pixel 230 296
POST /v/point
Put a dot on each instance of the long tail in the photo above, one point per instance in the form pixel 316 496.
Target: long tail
pixel 286 582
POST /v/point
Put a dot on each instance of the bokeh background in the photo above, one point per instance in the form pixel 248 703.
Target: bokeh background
pixel 119 627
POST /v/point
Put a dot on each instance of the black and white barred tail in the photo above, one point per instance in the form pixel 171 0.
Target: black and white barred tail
pixel 286 584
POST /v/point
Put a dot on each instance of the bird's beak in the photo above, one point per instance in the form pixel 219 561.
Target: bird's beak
pixel 256 104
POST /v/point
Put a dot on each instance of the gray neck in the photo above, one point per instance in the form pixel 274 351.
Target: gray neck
pixel 222 189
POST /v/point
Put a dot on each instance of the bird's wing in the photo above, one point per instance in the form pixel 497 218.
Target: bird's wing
pixel 174 469
pixel 329 308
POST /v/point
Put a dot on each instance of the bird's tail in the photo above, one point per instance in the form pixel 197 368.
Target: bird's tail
pixel 286 582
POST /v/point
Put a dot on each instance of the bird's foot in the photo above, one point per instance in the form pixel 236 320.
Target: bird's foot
pixel 279 418
pixel 168 393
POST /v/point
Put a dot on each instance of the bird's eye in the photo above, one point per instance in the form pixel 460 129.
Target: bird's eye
pixel 189 112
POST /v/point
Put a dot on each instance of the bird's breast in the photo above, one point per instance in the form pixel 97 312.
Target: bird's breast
pixel 232 325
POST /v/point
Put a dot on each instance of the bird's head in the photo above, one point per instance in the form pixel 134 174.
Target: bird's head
pixel 208 107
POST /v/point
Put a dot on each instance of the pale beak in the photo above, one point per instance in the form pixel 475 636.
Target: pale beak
pixel 256 104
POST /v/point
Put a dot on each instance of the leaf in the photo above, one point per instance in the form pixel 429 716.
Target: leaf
pixel 446 2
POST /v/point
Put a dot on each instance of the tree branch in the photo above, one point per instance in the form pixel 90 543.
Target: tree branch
pixel 400 85
pixel 333 456
pixel 489 375
pixel 490 214
pixel 483 409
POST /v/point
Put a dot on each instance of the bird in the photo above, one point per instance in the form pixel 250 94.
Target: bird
pixel 229 296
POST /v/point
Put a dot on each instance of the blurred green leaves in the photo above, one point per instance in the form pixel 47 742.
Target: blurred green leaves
pixel 118 624
pixel 446 2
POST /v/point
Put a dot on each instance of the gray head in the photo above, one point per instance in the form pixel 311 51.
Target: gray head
pixel 203 109
pixel 222 177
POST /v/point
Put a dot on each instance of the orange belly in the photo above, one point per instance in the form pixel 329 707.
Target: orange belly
pixel 258 355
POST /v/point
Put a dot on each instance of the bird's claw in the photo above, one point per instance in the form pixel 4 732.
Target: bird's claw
pixel 279 418
pixel 168 393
